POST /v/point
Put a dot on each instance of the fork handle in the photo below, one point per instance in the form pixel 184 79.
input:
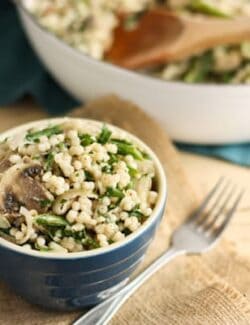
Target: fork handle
pixel 102 313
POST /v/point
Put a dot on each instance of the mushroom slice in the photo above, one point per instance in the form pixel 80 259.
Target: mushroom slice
pixel 4 163
pixel 5 154
pixel 20 187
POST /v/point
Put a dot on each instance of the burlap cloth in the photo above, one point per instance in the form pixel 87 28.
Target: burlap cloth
pixel 189 290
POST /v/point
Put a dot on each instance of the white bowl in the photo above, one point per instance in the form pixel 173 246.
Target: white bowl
pixel 209 114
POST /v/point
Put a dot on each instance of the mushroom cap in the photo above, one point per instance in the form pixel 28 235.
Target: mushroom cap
pixel 20 186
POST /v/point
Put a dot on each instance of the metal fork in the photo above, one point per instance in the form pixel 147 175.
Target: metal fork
pixel 197 235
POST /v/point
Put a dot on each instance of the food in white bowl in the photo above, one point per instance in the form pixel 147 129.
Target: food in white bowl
pixel 198 113
pixel 89 25
pixel 74 186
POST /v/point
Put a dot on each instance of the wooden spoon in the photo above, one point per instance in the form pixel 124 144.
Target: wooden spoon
pixel 162 36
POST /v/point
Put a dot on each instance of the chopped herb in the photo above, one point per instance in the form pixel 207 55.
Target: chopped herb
pixel 130 185
pixel 61 145
pixel 88 176
pixel 130 22
pixel 87 21
pixel 49 161
pixel 86 139
pixel 50 231
pixel 126 232
pixel 145 155
pixel 200 68
pixel 132 171
pixel 226 77
pixel 137 213
pixel 90 243
pixel 34 136
pixel 50 220
pixel 110 241
pixel 113 158
pixel 136 207
pixel 204 7
pixel 120 141
pixel 104 135
pixel 63 201
pixel 107 169
pixel 127 148
pixel 77 235
pixel 45 203
pixel 114 192
pixel 111 207
pixel 83 237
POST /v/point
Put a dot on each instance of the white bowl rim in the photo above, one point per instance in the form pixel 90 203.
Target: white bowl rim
pixel 162 194
pixel 117 68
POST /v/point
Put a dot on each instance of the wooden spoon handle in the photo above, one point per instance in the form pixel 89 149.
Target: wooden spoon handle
pixel 217 32
pixel 212 32
pixel 162 37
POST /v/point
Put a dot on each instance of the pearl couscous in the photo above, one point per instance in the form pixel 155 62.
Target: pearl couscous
pixel 74 186
pixel 88 25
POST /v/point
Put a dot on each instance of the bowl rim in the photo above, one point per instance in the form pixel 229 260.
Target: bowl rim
pixel 160 205
pixel 116 68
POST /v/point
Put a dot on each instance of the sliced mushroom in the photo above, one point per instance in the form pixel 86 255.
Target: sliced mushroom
pixel 4 157
pixel 19 186
pixel 4 164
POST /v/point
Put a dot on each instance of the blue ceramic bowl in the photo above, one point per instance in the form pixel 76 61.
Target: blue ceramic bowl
pixel 76 280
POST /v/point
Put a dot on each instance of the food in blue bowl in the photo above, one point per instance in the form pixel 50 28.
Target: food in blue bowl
pixel 79 204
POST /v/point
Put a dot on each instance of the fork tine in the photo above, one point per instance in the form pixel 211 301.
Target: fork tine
pixel 204 217
pixel 229 215
pixel 212 222
pixel 207 199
